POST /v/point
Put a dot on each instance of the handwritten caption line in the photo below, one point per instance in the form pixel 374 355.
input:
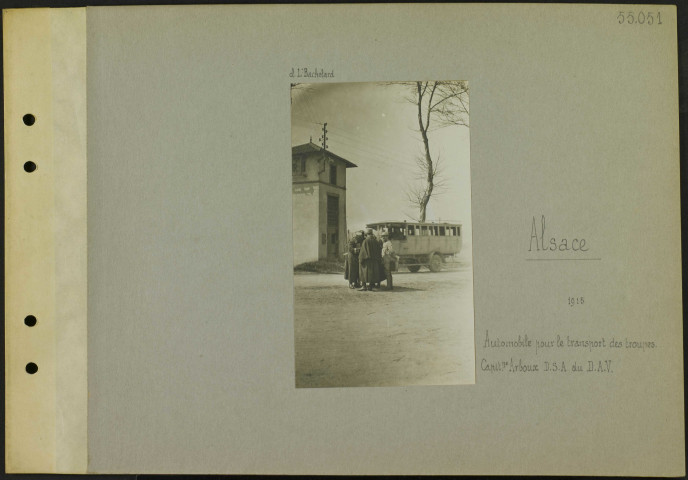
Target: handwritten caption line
pixel 520 352
pixel 559 259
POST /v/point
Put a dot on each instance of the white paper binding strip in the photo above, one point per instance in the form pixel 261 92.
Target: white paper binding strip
pixel 45 238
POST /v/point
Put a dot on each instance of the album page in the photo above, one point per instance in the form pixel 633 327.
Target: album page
pixel 472 265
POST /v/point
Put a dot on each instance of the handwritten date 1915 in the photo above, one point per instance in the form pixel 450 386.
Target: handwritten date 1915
pixel 576 301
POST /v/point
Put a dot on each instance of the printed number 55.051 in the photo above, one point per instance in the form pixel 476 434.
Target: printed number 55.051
pixel 640 18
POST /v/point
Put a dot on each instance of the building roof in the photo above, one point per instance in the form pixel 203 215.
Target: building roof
pixel 311 147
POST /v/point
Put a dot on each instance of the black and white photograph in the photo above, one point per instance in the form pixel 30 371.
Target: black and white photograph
pixel 381 206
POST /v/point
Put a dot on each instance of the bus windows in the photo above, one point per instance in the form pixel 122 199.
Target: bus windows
pixel 397 233
pixel 400 231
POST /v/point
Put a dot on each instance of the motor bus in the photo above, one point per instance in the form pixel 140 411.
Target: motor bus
pixel 422 244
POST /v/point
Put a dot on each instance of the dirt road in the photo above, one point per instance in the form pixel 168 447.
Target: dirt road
pixel 421 333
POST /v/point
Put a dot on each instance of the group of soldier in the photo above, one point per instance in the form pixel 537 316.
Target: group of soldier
pixel 370 261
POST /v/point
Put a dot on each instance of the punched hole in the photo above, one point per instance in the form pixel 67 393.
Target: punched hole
pixel 30 321
pixel 29 119
pixel 29 166
pixel 31 368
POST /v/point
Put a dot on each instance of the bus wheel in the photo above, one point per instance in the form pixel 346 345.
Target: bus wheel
pixel 435 263
pixel 413 268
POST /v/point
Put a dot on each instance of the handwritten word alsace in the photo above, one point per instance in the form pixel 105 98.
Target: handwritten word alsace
pixel 553 244
pixel 524 344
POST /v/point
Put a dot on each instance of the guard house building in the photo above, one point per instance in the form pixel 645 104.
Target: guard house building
pixel 318 186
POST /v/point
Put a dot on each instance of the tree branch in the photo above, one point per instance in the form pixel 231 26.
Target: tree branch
pixel 447 104
pixel 427 121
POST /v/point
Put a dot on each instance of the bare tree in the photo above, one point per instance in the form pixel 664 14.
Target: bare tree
pixel 439 104
pixel 421 189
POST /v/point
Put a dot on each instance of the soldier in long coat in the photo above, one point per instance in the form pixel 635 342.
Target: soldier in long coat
pixel 351 266
pixel 369 258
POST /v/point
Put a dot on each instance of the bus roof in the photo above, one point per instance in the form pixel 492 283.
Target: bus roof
pixel 401 223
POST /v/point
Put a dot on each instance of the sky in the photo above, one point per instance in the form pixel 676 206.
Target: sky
pixel 373 126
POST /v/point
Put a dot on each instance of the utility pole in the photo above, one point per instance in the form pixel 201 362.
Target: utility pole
pixel 323 138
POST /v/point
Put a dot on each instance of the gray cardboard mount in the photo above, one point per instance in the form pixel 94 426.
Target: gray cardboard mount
pixel 190 291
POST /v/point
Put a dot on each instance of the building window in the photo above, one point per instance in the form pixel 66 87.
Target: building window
pixel 334 238
pixel 298 166
pixel 324 239
pixel 332 211
pixel 333 174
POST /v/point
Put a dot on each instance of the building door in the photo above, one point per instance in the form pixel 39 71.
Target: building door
pixel 332 226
